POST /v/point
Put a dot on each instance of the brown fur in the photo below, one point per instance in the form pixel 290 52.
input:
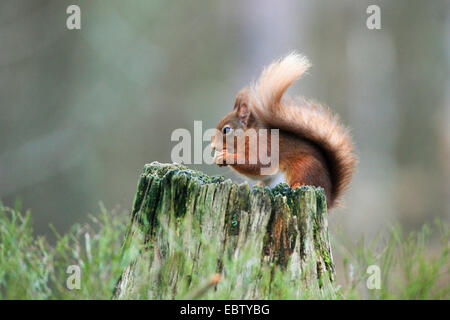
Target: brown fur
pixel 314 149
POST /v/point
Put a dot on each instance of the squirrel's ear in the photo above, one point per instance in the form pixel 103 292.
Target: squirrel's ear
pixel 243 113
pixel 241 106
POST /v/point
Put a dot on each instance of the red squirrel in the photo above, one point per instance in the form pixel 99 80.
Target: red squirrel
pixel 314 147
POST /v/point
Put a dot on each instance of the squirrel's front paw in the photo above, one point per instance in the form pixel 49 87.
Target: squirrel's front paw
pixel 221 158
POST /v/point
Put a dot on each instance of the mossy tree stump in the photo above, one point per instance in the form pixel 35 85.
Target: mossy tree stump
pixel 189 230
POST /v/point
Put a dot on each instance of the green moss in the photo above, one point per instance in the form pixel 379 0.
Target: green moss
pixel 160 170
pixel 234 221
pixel 141 187
pixel 326 257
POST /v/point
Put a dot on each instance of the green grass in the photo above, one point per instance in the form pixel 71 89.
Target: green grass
pixel 412 266
pixel 31 268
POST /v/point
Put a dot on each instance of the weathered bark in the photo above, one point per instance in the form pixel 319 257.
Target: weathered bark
pixel 187 227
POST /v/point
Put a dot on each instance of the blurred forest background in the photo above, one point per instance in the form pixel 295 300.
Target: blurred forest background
pixel 82 111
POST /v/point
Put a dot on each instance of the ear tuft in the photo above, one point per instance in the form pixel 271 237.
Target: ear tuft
pixel 243 113
pixel 241 106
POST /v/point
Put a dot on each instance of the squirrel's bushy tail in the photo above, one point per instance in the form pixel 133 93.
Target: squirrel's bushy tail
pixel 304 118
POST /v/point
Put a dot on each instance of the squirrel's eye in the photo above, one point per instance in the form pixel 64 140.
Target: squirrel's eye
pixel 226 129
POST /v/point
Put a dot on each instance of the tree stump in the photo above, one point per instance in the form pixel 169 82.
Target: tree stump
pixel 195 236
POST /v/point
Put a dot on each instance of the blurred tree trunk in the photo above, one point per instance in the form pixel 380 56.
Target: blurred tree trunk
pixel 189 230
